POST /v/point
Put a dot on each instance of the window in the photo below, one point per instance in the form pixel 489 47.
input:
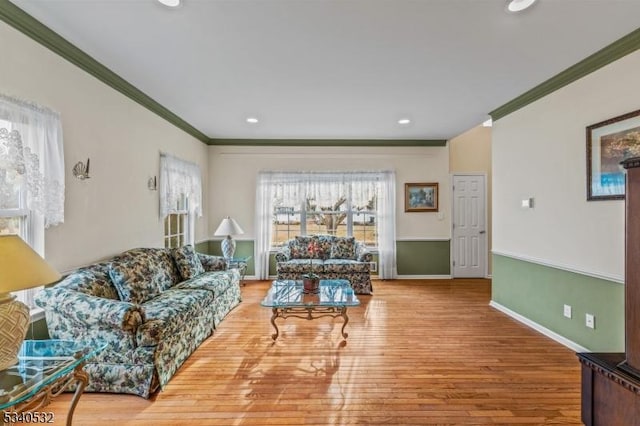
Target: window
pixel 340 216
pixel 180 200
pixel 176 225
pixel 358 204
pixel 31 174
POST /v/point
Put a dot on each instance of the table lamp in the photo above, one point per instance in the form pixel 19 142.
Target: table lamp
pixel 20 268
pixel 228 227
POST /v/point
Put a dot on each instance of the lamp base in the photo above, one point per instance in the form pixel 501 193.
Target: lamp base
pixel 228 246
pixel 14 323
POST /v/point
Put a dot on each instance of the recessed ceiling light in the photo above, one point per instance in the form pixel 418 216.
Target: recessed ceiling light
pixel 519 5
pixel 404 121
pixel 170 3
pixel 252 120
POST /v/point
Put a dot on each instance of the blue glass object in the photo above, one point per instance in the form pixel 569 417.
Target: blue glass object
pixel 290 293
pixel 41 363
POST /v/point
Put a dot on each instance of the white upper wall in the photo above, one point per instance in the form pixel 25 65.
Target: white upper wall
pixel 540 151
pixel 233 173
pixel 113 211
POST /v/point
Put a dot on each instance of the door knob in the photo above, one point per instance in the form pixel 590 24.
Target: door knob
pixel 482 232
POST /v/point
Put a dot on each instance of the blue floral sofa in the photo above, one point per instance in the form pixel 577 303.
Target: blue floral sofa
pixel 152 306
pixel 328 256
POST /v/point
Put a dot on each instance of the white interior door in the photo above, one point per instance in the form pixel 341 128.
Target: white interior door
pixel 469 236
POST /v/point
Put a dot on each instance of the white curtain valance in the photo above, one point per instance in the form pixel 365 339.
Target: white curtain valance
pixel 179 178
pixel 31 147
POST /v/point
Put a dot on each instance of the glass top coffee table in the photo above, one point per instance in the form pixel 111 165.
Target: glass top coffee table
pixel 45 369
pixel 287 298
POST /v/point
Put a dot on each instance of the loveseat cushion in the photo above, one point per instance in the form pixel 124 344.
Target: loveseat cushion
pixel 141 274
pixel 301 266
pixel 343 248
pixel 168 312
pixel 324 245
pixel 344 266
pixel 187 262
pixel 299 247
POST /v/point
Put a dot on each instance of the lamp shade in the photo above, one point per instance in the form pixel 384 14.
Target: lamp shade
pixel 21 267
pixel 229 226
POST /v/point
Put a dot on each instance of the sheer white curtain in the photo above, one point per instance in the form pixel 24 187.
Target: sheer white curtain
pixel 31 170
pixel 387 267
pixel 324 188
pixel 179 179
pixel 38 150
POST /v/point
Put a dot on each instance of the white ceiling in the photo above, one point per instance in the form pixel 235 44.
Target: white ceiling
pixel 336 69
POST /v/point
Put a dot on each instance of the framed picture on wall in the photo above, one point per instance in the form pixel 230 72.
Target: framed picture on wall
pixel 608 143
pixel 421 197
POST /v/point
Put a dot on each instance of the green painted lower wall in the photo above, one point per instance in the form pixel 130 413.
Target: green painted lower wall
pixel 244 248
pixel 423 257
pixel 539 293
pixel 38 330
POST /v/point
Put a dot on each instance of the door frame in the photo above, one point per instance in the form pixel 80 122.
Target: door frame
pixel 486 221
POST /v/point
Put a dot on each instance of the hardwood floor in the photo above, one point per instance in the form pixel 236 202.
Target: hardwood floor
pixel 418 352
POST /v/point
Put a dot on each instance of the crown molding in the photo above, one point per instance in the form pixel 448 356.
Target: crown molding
pixel 31 27
pixel 616 50
pixel 329 142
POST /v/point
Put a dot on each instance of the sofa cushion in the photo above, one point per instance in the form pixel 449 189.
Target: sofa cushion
pixel 216 282
pixel 343 248
pixel 93 280
pixel 168 312
pixel 187 261
pixel 345 266
pixel 141 274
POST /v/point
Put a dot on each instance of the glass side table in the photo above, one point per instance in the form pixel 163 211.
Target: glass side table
pixel 45 369
pixel 239 263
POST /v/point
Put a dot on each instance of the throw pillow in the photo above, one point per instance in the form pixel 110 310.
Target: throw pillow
pixel 343 248
pixel 299 247
pixel 187 261
pixel 135 279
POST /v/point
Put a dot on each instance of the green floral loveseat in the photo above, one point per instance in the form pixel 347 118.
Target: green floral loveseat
pixel 328 256
pixel 152 306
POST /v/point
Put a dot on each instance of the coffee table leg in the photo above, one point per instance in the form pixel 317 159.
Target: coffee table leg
pixel 343 313
pixel 273 323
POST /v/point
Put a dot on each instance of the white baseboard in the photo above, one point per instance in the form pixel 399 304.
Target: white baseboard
pixel 539 328
pixel 423 277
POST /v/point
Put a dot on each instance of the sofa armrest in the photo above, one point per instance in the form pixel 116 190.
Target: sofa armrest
pixel 91 311
pixel 212 263
pixel 362 253
pixel 284 254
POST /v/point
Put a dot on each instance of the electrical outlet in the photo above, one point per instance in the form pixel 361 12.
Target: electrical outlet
pixel 590 321
pixel 567 311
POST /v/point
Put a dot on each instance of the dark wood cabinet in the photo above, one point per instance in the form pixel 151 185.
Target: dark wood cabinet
pixel 611 381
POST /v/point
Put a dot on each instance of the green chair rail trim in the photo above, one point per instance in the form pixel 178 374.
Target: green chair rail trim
pixel 31 27
pixel 329 142
pixel 616 50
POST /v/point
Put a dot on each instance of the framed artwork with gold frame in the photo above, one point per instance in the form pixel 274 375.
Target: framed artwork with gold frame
pixel 421 197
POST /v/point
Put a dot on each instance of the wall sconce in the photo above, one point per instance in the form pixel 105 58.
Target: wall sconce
pixel 152 184
pixel 81 170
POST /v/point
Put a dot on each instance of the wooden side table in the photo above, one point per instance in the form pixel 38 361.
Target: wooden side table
pixel 45 369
